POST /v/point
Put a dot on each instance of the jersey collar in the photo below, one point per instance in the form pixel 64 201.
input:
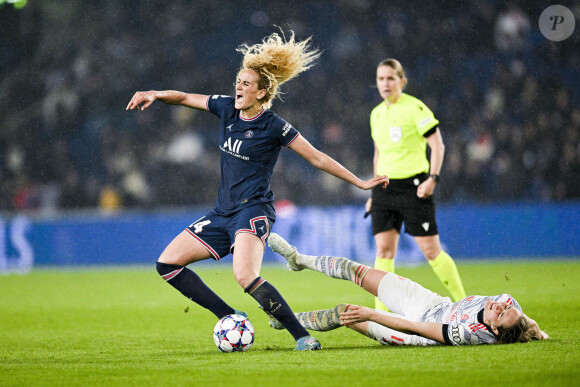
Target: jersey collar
pixel 254 117
pixel 480 320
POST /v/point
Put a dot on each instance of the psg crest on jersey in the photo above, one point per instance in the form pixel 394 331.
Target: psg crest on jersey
pixel 249 134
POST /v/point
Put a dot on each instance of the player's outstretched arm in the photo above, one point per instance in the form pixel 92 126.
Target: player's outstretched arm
pixel 143 99
pixel 357 314
pixel 326 163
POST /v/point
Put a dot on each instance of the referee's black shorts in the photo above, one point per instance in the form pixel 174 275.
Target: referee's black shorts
pixel 399 203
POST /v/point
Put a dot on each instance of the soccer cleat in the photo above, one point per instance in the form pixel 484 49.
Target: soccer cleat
pixel 240 313
pixel 274 323
pixel 280 246
pixel 307 343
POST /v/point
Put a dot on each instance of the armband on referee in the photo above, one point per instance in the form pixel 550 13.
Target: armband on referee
pixel 435 177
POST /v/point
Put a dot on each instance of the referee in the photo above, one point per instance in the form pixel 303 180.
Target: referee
pixel 401 127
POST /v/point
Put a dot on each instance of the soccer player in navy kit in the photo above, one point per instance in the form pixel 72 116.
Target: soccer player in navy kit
pixel 251 137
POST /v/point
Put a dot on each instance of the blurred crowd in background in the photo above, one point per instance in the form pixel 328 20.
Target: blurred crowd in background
pixel 506 97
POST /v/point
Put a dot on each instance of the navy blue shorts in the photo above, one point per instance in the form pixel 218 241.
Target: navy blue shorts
pixel 218 232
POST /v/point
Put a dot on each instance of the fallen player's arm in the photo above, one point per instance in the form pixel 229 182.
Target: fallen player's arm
pixel 535 330
pixel 356 314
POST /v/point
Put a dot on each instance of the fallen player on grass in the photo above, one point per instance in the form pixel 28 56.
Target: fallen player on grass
pixel 419 316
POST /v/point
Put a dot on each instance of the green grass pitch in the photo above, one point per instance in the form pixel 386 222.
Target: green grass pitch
pixel 125 326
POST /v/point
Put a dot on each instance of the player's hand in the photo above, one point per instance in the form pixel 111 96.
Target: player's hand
pixel 355 314
pixel 143 98
pixel 426 188
pixel 377 180
pixel 537 333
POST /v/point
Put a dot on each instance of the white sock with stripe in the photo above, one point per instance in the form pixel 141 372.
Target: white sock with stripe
pixel 335 267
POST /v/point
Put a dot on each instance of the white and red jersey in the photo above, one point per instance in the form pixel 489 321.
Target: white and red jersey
pixel 463 320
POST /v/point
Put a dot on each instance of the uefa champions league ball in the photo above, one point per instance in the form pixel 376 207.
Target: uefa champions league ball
pixel 233 333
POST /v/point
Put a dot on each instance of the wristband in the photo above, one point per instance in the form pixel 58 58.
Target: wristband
pixel 435 177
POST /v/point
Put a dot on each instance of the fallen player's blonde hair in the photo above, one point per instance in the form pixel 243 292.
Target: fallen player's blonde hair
pixel 519 333
pixel 277 60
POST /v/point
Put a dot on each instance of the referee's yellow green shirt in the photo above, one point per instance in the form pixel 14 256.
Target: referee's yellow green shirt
pixel 397 131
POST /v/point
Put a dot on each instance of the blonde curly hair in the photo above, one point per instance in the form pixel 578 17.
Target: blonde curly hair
pixel 277 60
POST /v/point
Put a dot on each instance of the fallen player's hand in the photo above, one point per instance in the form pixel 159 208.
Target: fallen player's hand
pixel 355 314
pixel 543 336
pixel 536 332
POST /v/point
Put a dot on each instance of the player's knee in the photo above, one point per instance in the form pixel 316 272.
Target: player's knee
pixel 244 277
pixel 174 259
pixel 167 258
pixel 253 285
pixel 166 268
pixel 431 252
pixel 385 251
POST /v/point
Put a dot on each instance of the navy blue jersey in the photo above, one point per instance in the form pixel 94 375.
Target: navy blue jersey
pixel 249 151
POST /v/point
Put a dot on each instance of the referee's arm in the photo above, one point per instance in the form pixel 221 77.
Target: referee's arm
pixel 435 142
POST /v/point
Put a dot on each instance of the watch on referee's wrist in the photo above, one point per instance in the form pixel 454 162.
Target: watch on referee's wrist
pixel 435 177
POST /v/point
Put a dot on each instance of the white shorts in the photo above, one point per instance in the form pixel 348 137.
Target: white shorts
pixel 407 298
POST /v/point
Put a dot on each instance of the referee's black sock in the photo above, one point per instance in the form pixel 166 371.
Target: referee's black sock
pixel 192 287
pixel 274 304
